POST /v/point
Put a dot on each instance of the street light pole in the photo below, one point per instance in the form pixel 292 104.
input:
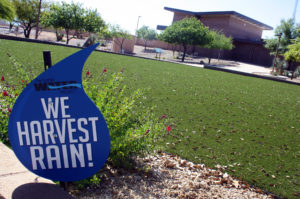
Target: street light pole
pixel 275 58
pixel 295 10
pixel 137 25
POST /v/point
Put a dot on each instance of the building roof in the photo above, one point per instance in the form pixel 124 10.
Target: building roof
pixel 238 15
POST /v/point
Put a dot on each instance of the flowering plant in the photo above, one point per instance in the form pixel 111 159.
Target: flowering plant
pixel 9 94
pixel 7 99
pixel 134 128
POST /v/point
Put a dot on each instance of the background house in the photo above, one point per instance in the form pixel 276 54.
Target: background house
pixel 245 31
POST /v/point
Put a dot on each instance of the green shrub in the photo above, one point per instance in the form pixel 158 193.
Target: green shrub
pixel 7 99
pixel 92 182
pixel 9 94
pixel 134 129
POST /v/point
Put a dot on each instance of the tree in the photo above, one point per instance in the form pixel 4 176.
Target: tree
pixel 27 12
pixel 120 35
pixel 7 10
pixel 93 21
pixel 292 55
pixel 289 30
pixel 220 42
pixel 188 31
pixel 105 33
pixel 146 34
pixel 38 20
pixel 66 16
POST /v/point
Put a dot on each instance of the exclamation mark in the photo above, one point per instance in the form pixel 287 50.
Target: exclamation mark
pixel 89 152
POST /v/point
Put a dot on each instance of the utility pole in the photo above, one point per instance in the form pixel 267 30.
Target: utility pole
pixel 275 58
pixel 37 21
pixel 295 10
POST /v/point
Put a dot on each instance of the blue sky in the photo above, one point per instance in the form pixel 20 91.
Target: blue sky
pixel 126 12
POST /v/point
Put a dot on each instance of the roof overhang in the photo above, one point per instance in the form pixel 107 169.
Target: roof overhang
pixel 161 27
pixel 217 13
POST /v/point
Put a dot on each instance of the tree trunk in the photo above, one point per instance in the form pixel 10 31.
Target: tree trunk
pixel 10 26
pixel 210 55
pixel 292 68
pixel 67 32
pixel 38 21
pixel 184 52
pixel 193 50
pixel 121 46
pixel 27 31
pixel 145 42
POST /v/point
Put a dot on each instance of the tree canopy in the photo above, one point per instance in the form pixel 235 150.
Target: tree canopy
pixel 120 35
pixel 7 10
pixel 219 41
pixel 93 21
pixel 26 12
pixel 147 34
pixel 73 17
pixel 188 31
pixel 289 30
pixel 293 52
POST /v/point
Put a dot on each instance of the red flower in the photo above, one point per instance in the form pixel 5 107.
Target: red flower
pixel 163 116
pixel 4 93
pixel 23 81
pixel 169 128
pixel 2 78
pixel 16 94
pixel 104 70
pixel 9 110
pixel 147 131
pixel 87 73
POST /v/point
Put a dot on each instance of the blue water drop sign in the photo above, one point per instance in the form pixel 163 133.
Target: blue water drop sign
pixel 55 130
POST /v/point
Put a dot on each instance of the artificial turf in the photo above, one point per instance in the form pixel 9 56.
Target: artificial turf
pixel 250 125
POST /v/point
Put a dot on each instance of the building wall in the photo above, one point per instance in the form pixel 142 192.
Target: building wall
pixel 230 25
pixel 251 53
pixel 243 29
pixel 244 52
pixel 128 45
pixel 179 16
pixel 219 23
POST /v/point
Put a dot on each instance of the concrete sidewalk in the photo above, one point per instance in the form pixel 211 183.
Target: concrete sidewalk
pixel 17 182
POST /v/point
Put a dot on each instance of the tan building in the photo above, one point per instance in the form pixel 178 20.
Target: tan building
pixel 245 31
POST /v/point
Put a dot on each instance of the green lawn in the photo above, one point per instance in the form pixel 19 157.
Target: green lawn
pixel 250 125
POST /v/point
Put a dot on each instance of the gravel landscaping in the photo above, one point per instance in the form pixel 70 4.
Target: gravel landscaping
pixel 169 176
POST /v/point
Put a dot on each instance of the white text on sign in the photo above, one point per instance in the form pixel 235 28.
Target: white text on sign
pixel 53 132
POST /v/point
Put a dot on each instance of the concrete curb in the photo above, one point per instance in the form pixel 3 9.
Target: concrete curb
pixel 17 182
